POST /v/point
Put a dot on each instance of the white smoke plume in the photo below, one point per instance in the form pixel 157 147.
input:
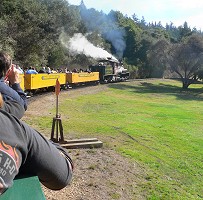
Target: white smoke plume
pixel 107 25
pixel 79 44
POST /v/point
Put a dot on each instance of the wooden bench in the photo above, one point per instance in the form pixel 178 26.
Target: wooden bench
pixel 24 188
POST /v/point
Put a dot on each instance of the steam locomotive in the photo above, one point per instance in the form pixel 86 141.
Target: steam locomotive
pixel 106 71
pixel 110 70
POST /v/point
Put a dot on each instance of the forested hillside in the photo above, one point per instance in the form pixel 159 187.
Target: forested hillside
pixel 55 33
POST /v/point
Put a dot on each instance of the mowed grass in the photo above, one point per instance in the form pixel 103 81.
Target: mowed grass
pixel 154 123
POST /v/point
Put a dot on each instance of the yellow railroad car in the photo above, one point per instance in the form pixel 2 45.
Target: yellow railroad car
pixel 21 79
pixel 39 81
pixel 82 77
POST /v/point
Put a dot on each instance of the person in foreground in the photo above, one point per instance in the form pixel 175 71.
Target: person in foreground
pixel 12 93
pixel 24 151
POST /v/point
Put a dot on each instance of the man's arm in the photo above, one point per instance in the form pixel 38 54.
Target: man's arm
pixel 32 154
pixel 14 108
pixel 49 161
pixel 13 94
pixel 21 93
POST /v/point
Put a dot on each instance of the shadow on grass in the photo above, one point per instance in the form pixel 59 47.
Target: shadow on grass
pixel 161 88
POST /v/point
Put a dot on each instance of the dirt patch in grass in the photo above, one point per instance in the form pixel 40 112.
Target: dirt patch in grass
pixel 99 174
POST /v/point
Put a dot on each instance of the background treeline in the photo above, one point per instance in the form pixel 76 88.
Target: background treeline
pixel 34 33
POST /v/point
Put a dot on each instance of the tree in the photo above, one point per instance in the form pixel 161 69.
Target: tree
pixel 200 74
pixel 184 31
pixel 28 29
pixel 56 56
pixel 184 58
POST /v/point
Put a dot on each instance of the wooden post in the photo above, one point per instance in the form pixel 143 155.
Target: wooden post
pixel 69 144
pixel 57 123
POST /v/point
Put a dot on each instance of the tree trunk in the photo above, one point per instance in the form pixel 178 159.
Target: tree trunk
pixel 186 82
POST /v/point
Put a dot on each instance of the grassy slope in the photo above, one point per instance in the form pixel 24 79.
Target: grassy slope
pixel 152 122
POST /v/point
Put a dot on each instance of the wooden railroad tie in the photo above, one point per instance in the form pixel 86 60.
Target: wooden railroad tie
pixel 82 143
pixel 71 144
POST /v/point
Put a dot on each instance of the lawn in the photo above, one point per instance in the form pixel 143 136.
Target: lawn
pixel 154 123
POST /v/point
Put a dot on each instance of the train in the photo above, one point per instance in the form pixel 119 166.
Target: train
pixel 110 70
pixel 105 71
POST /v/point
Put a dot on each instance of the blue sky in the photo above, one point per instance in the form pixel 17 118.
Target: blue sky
pixel 166 11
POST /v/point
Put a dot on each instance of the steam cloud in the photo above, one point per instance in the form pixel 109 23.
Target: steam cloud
pixel 79 44
pixel 107 25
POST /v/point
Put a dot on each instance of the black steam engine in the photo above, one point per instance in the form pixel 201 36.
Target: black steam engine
pixel 110 70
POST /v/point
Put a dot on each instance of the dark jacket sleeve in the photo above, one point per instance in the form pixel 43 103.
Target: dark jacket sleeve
pixel 21 93
pixel 14 108
pixel 34 155
pixel 50 162
pixel 13 93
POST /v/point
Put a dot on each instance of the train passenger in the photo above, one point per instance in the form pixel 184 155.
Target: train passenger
pixel 42 70
pixel 48 70
pixel 31 70
pixel 59 70
pixel 88 70
pixel 66 70
pixel 10 88
pixel 53 71
pixel 75 70
pixel 25 152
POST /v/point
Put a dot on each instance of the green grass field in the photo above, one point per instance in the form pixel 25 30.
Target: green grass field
pixel 154 123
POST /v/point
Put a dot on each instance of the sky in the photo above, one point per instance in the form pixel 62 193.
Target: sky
pixel 166 11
